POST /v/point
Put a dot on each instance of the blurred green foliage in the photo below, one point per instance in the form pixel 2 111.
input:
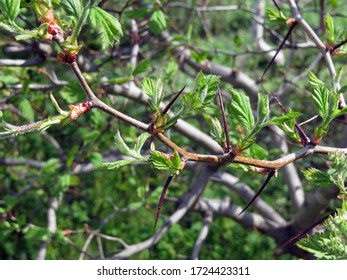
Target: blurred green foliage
pixel 122 202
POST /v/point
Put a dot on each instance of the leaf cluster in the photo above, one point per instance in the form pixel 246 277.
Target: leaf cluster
pixel 326 103
pixel 240 108
pixel 332 243
pixel 201 95
pixel 134 153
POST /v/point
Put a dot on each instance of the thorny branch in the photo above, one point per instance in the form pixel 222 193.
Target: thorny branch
pixel 268 220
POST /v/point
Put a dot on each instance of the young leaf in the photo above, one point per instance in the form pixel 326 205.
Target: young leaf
pixel 143 66
pixel 317 177
pixel 276 16
pixel 291 115
pixel 241 109
pixel 320 98
pixel 26 109
pixel 148 86
pixel 330 29
pixel 140 141
pixel 96 159
pixel 73 8
pixel 263 108
pixel 7 27
pixel 107 25
pixel 124 147
pixel 157 22
pixel 217 132
pixel 160 160
pixel 115 165
pixel 158 92
pixel 165 162
pixel 10 9
pixel 313 79
pixel 206 87
pixel 137 13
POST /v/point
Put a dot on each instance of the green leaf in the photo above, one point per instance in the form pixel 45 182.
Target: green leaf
pixel 25 36
pixel 107 26
pixel 204 90
pixel 263 108
pixel 339 112
pixel 317 177
pixel 276 16
pixel 73 8
pixel 313 80
pixel 7 27
pixel 96 159
pixel 10 9
pixel 124 147
pixel 157 22
pixel 170 69
pixel 320 131
pixel 141 141
pixel 137 13
pixel 241 109
pixel 244 144
pixel 26 109
pixel 320 98
pixel 51 165
pixel 148 86
pixel 217 132
pixel 143 66
pixel 257 152
pixel 160 160
pixel 72 92
pixel 36 233
pixel 158 92
pixel 10 201
pixel 115 165
pixel 284 118
pixel 342 89
pixel 176 160
pixel 206 87
pixel 330 28
pixel 62 185
pixel 165 162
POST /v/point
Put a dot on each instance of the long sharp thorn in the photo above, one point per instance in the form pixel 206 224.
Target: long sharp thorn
pixel 268 178
pixel 278 50
pixel 308 229
pixel 226 130
pixel 172 101
pixel 161 199
pixel 335 47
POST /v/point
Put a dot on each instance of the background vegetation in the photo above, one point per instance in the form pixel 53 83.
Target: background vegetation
pixel 68 193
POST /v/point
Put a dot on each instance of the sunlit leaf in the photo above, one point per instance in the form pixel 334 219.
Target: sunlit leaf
pixel 10 9
pixel 241 109
pixel 106 25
